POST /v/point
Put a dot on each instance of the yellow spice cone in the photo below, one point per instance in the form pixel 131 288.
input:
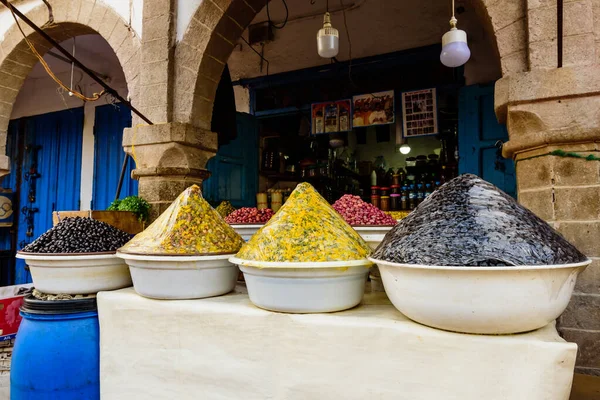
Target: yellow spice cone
pixel 305 229
pixel 190 226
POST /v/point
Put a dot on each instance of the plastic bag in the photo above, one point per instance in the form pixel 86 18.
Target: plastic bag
pixel 190 226
pixel 470 222
pixel 305 229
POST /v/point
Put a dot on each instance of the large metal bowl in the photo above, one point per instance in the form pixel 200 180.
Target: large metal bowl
pixel 481 300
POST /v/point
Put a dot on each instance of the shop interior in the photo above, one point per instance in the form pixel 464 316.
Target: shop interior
pixel 383 121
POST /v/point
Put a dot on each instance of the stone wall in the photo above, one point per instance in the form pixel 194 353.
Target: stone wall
pixel 70 18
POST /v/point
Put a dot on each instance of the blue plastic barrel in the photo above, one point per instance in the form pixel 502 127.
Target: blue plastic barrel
pixel 57 351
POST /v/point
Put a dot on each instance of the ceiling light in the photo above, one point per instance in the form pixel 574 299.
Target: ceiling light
pixel 405 149
pixel 328 39
pixel 455 50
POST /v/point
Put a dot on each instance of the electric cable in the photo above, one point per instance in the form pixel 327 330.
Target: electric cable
pixel 256 51
pixel 287 14
pixel 77 94
pixel 349 42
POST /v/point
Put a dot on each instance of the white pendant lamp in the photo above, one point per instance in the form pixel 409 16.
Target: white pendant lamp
pixel 405 149
pixel 328 38
pixel 455 51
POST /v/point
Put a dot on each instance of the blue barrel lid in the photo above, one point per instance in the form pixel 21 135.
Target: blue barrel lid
pixel 33 305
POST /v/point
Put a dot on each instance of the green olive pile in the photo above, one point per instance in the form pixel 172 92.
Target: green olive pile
pixel 79 235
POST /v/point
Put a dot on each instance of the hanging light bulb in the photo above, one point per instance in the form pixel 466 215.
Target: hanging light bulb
pixel 455 51
pixel 405 149
pixel 328 38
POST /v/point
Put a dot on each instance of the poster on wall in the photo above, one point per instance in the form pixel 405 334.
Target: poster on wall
pixel 331 117
pixel 373 109
pixel 419 110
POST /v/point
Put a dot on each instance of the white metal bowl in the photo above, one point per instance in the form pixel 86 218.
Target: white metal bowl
pixel 181 277
pixel 482 300
pixel 305 287
pixel 373 235
pixel 246 231
pixel 76 274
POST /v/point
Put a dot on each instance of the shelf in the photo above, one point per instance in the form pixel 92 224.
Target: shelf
pixel 280 177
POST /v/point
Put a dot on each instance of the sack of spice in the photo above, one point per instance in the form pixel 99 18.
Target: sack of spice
pixel 305 229
pixel 470 222
pixel 190 226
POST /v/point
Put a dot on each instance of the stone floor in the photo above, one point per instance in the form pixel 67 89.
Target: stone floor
pixel 585 387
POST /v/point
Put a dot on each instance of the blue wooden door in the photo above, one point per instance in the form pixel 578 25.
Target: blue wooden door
pixel 234 170
pixel 478 134
pixel 109 123
pixel 53 143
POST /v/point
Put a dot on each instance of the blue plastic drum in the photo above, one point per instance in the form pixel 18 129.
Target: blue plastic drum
pixel 57 351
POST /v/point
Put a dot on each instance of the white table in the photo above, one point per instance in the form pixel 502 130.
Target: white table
pixel 225 348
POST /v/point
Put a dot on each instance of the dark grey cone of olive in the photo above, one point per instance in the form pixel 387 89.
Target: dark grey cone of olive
pixel 470 222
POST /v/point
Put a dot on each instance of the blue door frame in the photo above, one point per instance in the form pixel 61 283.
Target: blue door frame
pixel 478 135
pixel 109 123
pixel 56 139
pixel 234 170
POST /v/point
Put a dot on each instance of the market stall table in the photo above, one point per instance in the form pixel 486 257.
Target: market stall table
pixel 226 348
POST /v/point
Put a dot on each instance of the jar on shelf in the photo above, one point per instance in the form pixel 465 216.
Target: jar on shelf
pixel 385 203
pixel 376 200
pixel 395 202
pixel 276 201
pixel 385 191
pixel 261 201
pixel 396 179
pixel 374 190
pixel 395 189
pixel 323 170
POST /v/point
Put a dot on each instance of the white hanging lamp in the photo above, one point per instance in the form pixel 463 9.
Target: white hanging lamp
pixel 328 38
pixel 455 50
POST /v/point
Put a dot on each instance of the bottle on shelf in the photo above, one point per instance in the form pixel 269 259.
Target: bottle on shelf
pixel 404 198
pixel 412 197
pixel 428 190
pixel 420 193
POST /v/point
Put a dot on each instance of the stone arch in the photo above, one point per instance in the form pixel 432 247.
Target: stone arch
pixel 71 18
pixel 217 25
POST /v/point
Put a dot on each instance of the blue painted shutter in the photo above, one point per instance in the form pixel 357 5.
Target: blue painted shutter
pixel 478 132
pixel 108 156
pixel 59 136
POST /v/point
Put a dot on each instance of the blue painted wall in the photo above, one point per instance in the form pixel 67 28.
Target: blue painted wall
pixel 234 170
pixel 59 136
pixel 478 133
pixel 108 156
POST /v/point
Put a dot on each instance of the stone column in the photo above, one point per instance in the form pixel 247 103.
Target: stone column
pixel 169 158
pixel 559 109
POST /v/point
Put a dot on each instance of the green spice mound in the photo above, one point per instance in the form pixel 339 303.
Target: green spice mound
pixel 305 229
pixel 225 208
pixel 190 226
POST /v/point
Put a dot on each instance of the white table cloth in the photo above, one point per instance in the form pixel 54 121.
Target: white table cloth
pixel 226 348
